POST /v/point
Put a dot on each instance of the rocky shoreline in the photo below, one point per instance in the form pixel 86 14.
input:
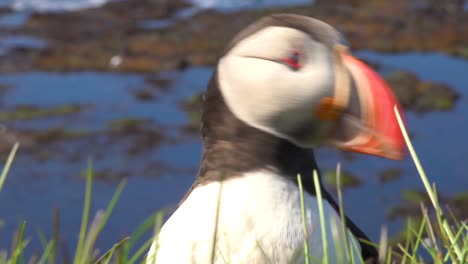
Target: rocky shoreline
pixel 89 39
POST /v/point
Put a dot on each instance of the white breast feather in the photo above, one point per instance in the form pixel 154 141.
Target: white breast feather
pixel 260 221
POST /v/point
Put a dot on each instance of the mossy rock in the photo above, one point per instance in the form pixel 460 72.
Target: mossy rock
pixel 29 112
pixel 158 83
pixel 414 196
pixel 463 196
pixel 4 88
pixel 458 205
pixel 403 211
pixel 413 224
pixel 348 179
pixel 421 96
pixel 57 134
pixel 193 109
pixel 460 52
pixel 106 175
pixel 144 94
pixel 390 175
pixel 154 85
pixel 128 125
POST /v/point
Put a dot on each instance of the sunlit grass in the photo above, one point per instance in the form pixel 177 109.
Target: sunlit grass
pixel 456 246
pixel 304 220
pixel 323 223
pixel 7 166
pixel 123 251
pixel 440 240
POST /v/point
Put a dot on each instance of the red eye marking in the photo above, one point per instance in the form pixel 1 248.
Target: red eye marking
pixel 293 60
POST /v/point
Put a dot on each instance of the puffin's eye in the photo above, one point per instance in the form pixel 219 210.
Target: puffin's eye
pixel 292 61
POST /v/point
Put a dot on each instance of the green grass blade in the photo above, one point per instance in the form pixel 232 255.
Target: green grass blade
pixel 106 257
pixel 158 218
pixel 341 207
pixel 7 166
pixel 357 248
pixel 157 229
pixel 258 246
pixel 383 244
pixel 55 236
pixel 445 231
pixel 141 230
pixel 318 192
pixel 430 229
pixel 140 251
pixel 389 256
pixel 459 234
pixel 47 251
pixel 304 220
pixel 465 248
pixel 98 224
pixel 85 216
pixel 42 238
pixel 427 185
pixel 419 237
pixel 452 216
pixel 407 254
pixel 215 233
pixel 3 257
pixel 407 240
pixel 337 240
pixel 109 258
pixel 135 237
pixel 19 245
pixel 112 204
pixel 144 248
pixel 91 237
pixel 34 258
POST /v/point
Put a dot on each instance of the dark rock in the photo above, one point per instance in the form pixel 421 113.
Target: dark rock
pixel 144 94
pixel 421 96
pixel 348 179
pixel 389 175
pixel 28 112
pixel 192 107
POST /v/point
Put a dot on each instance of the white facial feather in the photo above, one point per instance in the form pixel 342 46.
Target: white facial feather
pixel 268 95
pixel 260 221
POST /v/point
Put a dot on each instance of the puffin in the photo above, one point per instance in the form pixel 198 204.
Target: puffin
pixel 284 85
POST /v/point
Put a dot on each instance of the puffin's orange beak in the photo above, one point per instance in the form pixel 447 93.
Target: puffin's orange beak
pixel 380 134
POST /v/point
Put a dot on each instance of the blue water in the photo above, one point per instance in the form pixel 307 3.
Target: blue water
pixel 13 20
pixel 34 188
pixel 52 5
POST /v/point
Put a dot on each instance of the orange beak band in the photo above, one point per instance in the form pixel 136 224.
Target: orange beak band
pixel 380 134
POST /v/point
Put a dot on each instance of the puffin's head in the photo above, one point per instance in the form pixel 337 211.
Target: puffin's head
pixel 293 77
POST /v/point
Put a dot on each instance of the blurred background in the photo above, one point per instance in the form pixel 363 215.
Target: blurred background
pixel 119 82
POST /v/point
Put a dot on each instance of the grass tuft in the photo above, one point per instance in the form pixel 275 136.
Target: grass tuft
pixel 453 248
pixel 304 220
pixel 7 166
pixel 318 192
pixel 79 258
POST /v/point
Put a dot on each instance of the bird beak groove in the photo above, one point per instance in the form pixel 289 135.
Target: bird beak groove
pixel 378 132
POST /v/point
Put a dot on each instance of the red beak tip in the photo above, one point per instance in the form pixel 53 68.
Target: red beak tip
pixel 380 103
